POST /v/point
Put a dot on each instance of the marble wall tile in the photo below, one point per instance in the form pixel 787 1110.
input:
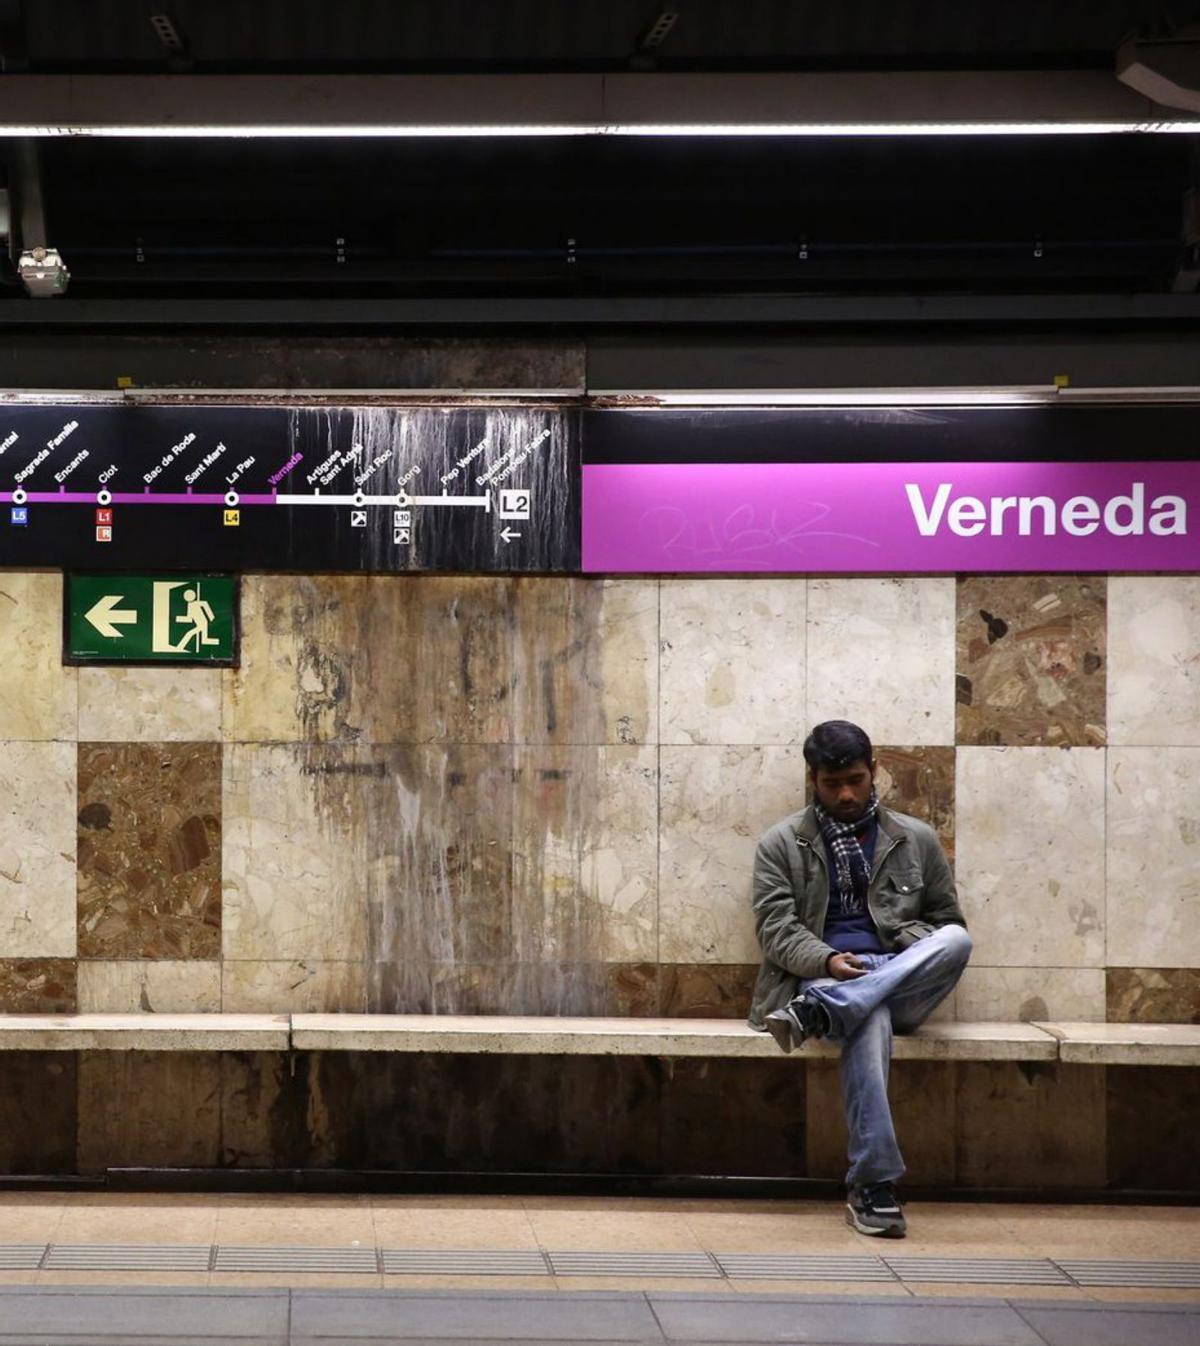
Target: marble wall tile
pixel 733 660
pixel 1031 994
pixel 149 704
pixel 543 988
pixel 920 782
pixel 880 653
pixel 585 854
pixel 149 1110
pixel 382 659
pixel 264 1117
pixel 715 803
pixel 1031 660
pixel 37 1112
pixel 37 986
pixel 297 986
pixel 584 660
pixel 38 695
pixel 1153 995
pixel 1030 855
pixel 1152 1113
pixel 160 986
pixel 1153 857
pixel 149 842
pixel 1154 660
pixel 438 845
pixel 1039 1124
pixel 922 1098
pixel 37 850
pixel 298 822
pixel 707 990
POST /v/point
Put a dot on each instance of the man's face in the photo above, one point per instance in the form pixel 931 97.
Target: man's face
pixel 845 792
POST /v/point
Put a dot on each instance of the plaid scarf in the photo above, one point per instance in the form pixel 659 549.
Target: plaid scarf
pixel 849 862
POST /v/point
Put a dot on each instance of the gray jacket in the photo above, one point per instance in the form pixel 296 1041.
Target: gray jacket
pixel 910 894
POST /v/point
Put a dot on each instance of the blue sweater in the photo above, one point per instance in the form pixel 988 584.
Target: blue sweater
pixel 851 932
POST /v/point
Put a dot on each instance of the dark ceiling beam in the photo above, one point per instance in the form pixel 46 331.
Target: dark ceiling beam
pixel 14 45
pixel 750 311
pixel 351 104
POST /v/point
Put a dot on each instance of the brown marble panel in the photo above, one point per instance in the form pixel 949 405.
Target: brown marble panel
pixel 1030 1124
pixel 620 989
pixel 498 1113
pixel 149 881
pixel 1031 652
pixel 1152 1113
pixel 1153 995
pixel 920 781
pixel 264 1115
pixel 149 1109
pixel 707 990
pixel 38 986
pixel 733 1117
pixel 37 1112
pixel 922 1099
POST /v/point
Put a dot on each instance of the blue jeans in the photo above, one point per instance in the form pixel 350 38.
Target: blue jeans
pixel 899 992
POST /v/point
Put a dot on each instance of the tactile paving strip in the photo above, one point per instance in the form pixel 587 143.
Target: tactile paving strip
pixel 784 1266
pixel 21 1256
pixel 268 1258
pixel 464 1262
pixel 126 1257
pixel 978 1270
pixel 632 1264
pixel 1155 1275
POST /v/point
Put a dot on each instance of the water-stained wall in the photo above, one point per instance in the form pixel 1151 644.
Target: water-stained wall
pixel 542 795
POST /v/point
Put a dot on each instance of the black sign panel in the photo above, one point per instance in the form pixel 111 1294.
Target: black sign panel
pixel 1052 433
pixel 133 487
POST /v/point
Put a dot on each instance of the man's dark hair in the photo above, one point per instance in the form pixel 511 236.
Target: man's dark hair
pixel 835 744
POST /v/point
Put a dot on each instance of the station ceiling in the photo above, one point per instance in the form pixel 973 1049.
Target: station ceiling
pixel 606 217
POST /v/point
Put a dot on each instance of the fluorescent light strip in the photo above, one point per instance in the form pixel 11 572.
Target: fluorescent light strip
pixel 267 131
pixel 841 397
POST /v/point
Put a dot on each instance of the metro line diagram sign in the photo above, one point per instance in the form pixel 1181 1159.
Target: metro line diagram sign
pixel 231 487
pixel 665 492
pixel 150 619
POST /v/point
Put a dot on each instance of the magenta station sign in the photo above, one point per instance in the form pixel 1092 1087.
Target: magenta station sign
pixel 892 517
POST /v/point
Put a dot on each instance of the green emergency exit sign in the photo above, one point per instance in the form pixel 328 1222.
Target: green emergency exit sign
pixel 150 619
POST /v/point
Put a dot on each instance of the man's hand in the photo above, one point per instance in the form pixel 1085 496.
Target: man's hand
pixel 844 966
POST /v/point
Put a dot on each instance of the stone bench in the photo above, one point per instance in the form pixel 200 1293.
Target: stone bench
pixel 1079 1043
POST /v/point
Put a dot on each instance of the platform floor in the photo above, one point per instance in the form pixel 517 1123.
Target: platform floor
pixel 968 1246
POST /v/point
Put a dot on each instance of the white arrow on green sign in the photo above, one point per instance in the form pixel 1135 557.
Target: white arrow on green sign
pixel 150 619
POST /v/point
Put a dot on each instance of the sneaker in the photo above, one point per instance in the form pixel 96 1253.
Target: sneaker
pixel 875 1209
pixel 799 1019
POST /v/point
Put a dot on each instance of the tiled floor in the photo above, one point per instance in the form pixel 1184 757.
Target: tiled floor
pixel 939 1229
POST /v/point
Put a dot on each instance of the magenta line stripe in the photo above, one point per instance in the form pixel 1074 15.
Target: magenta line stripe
pixel 125 498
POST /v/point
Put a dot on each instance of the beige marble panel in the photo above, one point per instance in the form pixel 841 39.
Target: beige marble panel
pixel 37 850
pixel 733 661
pixel 301 986
pixel 38 696
pixel 294 886
pixel 127 986
pixel 1030 855
pixel 1154 660
pixel 715 804
pixel 149 704
pixel 881 653
pixel 1030 994
pixel 1153 857
pixel 585 881
pixel 584 660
